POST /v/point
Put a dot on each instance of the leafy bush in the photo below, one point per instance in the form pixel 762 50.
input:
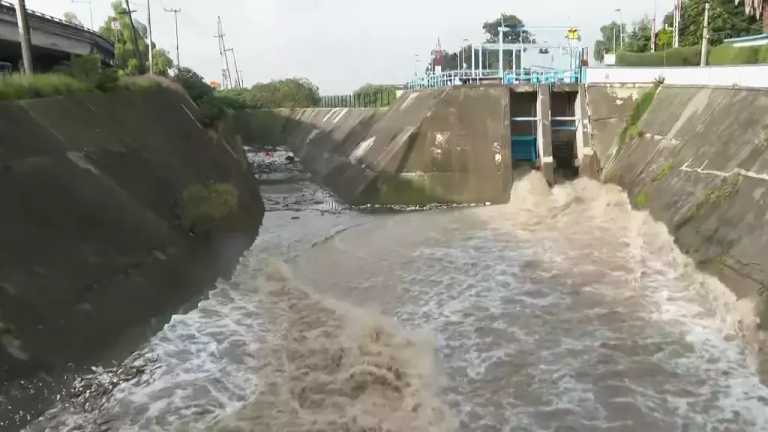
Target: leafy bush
pixel 87 69
pixel 685 56
pixel 130 83
pixel 731 55
pixel 691 56
pixel 213 108
pixel 762 55
pixel 194 84
pixel 15 87
pixel 202 206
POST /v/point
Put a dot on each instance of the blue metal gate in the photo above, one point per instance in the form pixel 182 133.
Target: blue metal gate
pixel 524 148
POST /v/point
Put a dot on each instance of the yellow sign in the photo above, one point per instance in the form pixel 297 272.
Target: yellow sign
pixel 573 34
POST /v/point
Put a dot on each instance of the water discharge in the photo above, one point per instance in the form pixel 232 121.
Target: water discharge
pixel 562 311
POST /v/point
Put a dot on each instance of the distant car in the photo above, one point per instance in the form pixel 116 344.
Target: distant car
pixel 5 68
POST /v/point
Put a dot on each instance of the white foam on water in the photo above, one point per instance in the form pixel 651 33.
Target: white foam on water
pixel 563 309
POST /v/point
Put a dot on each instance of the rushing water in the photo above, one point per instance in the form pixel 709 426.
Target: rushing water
pixel 562 311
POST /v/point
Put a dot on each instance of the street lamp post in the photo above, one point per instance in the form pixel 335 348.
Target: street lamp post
pixel 463 51
pixel 502 29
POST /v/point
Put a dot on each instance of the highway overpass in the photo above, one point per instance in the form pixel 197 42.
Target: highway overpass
pixel 53 40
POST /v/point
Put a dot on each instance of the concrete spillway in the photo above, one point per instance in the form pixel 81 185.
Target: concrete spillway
pixel 568 305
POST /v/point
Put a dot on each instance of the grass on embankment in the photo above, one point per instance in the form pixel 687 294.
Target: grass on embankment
pixel 632 128
pixel 18 87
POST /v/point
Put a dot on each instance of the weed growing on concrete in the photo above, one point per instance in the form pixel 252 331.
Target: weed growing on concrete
pixel 715 197
pixel 663 172
pixel 202 206
pixel 632 129
pixel 640 200
pixel 728 187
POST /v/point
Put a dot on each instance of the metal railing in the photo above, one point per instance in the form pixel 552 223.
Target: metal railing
pixel 366 100
pixel 31 12
pixel 528 76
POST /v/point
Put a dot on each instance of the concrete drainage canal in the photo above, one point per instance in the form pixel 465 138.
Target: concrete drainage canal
pixel 563 310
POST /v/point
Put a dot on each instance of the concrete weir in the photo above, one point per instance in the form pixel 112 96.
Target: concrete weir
pixel 450 145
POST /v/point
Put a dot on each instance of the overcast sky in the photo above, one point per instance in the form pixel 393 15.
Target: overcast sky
pixel 342 44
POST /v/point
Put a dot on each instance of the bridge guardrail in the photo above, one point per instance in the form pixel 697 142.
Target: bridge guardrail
pixel 11 5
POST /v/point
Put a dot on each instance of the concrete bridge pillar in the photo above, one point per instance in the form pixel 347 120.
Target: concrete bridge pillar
pixel 544 132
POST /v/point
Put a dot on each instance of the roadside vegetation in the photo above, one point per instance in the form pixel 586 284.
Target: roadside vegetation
pixel 80 75
pixel 728 19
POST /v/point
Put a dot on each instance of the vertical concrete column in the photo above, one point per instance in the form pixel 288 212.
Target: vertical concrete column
pixel 544 132
pixel 587 162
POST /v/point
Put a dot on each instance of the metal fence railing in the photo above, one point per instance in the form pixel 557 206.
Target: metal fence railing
pixel 527 76
pixel 379 99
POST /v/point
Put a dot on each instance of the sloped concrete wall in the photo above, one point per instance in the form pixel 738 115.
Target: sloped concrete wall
pixel 447 145
pixel 700 165
pixel 608 107
pixel 93 245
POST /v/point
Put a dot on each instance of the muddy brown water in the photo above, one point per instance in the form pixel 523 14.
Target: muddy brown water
pixel 562 311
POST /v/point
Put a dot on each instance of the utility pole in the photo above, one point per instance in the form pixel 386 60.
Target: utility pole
pixel 24 36
pixel 653 29
pixel 223 53
pixel 238 82
pixel 151 47
pixel 175 13
pixel 705 36
pixel 676 25
pixel 136 49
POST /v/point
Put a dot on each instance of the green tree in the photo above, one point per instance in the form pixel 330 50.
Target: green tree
pixel 71 18
pixel 664 39
pixel 132 51
pixel 515 34
pixel 610 34
pixel 161 62
pixel 727 20
pixel 286 93
pixel 757 8
pixel 194 84
pixel 639 39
